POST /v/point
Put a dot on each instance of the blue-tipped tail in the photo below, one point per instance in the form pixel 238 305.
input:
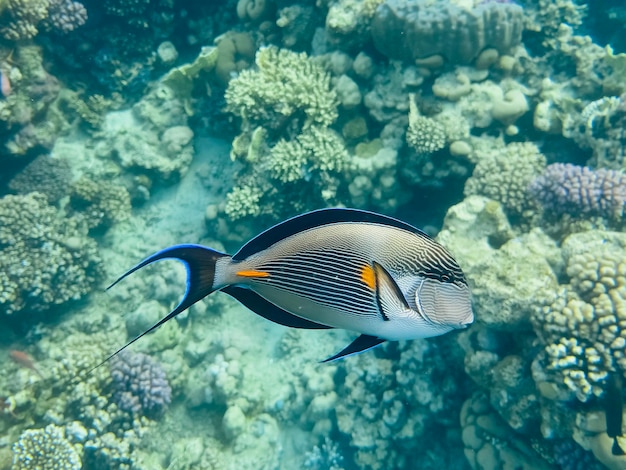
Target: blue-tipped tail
pixel 200 263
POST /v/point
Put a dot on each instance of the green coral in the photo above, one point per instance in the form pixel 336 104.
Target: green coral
pixel 22 18
pixel 503 174
pixel 583 325
pixel 285 87
pixel 45 449
pixel 45 259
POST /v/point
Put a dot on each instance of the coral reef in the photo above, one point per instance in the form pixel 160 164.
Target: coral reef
pixel 46 175
pixel 140 385
pixel 24 18
pixel 418 29
pixel 581 192
pixel 46 259
pixel 45 449
pixel 101 204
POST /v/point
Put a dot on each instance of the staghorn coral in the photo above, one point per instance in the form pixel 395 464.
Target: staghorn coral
pixel 45 259
pixel 581 324
pixel 417 29
pixel 504 175
pixel 580 192
pixel 45 449
pixel 287 88
pixel 140 385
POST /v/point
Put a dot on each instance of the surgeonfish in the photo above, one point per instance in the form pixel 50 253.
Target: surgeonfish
pixel 334 268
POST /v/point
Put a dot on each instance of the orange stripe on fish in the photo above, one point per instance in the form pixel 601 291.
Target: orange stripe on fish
pixel 368 276
pixel 253 273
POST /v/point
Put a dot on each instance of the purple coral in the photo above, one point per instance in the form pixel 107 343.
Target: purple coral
pixel 65 15
pixel 569 189
pixel 140 384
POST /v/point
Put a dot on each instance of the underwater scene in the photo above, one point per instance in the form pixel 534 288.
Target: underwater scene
pixel 438 185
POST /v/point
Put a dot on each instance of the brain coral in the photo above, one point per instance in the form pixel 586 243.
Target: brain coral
pixel 583 325
pixel 45 449
pixel 45 259
pixel 140 384
pixel 285 86
pixel 415 29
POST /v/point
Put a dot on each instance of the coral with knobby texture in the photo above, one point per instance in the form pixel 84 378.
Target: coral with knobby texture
pixel 45 258
pixel 285 88
pixel 581 192
pixel 570 456
pixel 46 175
pixel 416 29
pixel 45 449
pixel 581 324
pixel 24 18
pixel 424 134
pixel 100 204
pixel 348 22
pixel 503 174
pixel 243 201
pixel 140 384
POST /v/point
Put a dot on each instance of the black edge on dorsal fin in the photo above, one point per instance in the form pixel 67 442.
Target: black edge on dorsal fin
pixel 268 310
pixel 200 263
pixel 359 345
pixel 314 219
pixel 382 276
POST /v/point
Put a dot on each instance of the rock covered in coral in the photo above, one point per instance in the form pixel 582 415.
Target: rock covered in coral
pixel 45 259
pixel 25 18
pixel 45 449
pixel 424 135
pixel 417 29
pixel 100 204
pixel 581 192
pixel 140 384
pixel 46 175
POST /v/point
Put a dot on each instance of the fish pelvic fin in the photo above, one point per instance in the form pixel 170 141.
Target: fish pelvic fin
pixel 359 345
pixel 200 262
pixel 616 449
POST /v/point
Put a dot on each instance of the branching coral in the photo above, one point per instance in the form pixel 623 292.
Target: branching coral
pixel 25 17
pixel 99 204
pixel 424 135
pixel 286 88
pixel 45 449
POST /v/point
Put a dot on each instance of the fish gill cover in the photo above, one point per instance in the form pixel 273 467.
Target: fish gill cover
pixel 128 125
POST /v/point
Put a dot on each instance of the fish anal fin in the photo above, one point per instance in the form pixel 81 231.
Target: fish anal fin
pixel 359 345
pixel 269 311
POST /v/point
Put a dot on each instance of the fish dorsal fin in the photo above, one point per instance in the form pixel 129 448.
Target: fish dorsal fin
pixel 359 345
pixel 315 219
pixel 268 310
pixel 389 297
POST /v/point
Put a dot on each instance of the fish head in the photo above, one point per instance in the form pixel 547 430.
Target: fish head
pixel 445 303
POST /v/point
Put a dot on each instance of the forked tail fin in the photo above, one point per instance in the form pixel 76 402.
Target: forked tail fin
pixel 200 263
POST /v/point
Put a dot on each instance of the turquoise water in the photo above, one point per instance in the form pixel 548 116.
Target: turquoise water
pixel 496 127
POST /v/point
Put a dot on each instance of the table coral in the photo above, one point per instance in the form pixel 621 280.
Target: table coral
pixel 582 324
pixel 46 259
pixel 416 29
pixel 45 449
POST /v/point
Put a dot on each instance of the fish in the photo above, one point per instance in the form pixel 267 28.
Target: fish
pixel 5 84
pixel 613 410
pixel 333 268
pixel 23 359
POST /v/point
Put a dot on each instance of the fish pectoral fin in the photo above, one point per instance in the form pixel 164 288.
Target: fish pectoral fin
pixel 389 297
pixel 268 310
pixel 359 345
